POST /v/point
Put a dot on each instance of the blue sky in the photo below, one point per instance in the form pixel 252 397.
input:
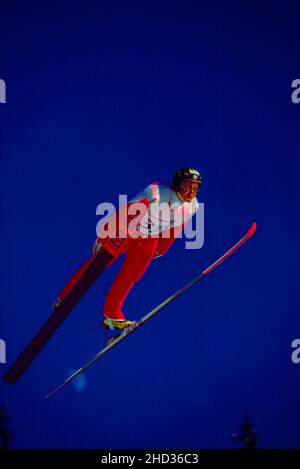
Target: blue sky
pixel 103 99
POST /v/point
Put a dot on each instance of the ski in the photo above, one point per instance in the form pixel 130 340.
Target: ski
pixel 70 295
pixel 154 311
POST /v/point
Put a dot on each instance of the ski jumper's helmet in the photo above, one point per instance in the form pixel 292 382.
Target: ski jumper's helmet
pixel 184 174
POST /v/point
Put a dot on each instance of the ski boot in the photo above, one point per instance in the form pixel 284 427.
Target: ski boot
pixel 115 324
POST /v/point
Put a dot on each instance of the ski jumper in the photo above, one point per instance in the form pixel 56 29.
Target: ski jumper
pixel 157 234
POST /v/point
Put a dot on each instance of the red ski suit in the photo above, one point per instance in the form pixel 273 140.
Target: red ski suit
pixel 140 251
pixel 138 255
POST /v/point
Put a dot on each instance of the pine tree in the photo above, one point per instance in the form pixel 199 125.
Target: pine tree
pixel 247 435
pixel 5 432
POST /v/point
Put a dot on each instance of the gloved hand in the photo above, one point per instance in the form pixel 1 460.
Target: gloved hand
pixel 97 246
pixel 156 255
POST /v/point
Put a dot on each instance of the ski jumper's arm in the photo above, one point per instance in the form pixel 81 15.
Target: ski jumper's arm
pixel 117 224
pixel 153 195
pixel 146 196
pixel 164 243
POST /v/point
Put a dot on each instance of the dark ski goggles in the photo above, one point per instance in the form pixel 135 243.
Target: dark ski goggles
pixel 188 184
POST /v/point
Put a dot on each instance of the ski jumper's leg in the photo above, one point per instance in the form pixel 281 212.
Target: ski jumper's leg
pixel 138 257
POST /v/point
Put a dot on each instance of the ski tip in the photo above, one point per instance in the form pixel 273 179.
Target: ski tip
pixel 252 230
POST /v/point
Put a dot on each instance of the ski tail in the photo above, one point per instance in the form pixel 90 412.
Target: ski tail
pixel 60 312
pixel 77 286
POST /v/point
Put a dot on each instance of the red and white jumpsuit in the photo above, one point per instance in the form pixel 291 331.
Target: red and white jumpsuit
pixel 139 252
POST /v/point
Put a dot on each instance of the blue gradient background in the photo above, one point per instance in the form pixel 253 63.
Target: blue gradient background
pixel 102 100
